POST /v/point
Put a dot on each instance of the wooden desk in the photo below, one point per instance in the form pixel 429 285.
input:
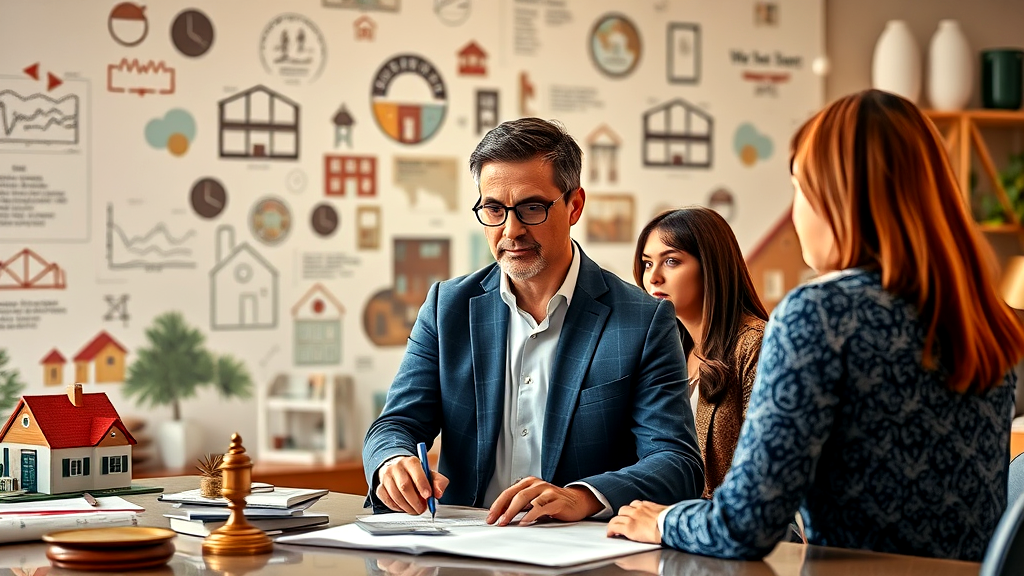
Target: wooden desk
pixel 786 560
pixel 344 477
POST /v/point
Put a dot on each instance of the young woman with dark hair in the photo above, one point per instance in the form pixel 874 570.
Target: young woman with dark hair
pixel 690 257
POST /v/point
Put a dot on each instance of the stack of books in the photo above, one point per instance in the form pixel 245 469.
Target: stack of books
pixel 274 511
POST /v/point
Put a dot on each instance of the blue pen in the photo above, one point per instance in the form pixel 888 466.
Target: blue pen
pixel 421 448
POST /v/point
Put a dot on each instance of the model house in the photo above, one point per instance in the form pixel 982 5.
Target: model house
pixel 53 368
pixel 66 443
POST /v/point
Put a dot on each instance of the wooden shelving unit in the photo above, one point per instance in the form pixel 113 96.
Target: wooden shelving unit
pixel 962 133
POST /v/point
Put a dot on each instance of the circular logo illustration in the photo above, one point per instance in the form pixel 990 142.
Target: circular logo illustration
pixel 192 33
pixel 270 221
pixel 409 99
pixel 615 45
pixel 293 48
pixel 324 220
pixel 127 24
pixel 452 12
pixel 209 198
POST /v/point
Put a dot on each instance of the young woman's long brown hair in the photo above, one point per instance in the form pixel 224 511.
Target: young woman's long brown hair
pixel 875 168
pixel 729 294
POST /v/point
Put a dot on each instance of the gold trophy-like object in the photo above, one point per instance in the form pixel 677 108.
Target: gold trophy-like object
pixel 237 537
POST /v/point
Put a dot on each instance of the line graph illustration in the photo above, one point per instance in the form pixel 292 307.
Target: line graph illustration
pixel 155 250
pixel 38 118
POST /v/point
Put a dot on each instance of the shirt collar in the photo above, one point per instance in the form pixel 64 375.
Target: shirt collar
pixel 566 290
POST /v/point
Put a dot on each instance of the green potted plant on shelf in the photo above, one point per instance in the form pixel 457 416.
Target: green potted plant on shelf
pixel 990 210
pixel 173 368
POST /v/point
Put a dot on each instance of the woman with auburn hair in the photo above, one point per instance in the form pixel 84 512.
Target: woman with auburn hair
pixel 884 394
pixel 691 258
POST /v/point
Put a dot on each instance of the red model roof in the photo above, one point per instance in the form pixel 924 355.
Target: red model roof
pixel 65 425
pixel 98 343
pixel 54 357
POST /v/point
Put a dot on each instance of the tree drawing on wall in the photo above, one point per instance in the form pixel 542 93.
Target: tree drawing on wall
pixel 176 364
pixel 10 384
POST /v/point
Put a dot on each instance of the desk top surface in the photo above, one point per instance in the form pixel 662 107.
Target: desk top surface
pixel 786 560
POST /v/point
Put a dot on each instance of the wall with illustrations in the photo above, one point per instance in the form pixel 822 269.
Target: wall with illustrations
pixel 291 176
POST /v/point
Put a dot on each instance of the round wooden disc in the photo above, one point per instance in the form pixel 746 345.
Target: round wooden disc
pixel 114 537
pixel 105 559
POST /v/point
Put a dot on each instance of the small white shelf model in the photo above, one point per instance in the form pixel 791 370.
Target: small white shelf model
pixel 307 424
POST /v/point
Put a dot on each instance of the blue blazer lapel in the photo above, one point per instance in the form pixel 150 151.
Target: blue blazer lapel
pixel 488 336
pixel 581 331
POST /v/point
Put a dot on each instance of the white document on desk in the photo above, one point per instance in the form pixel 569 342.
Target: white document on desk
pixel 545 544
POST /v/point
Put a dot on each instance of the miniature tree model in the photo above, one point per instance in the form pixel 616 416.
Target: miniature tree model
pixel 176 365
pixel 10 384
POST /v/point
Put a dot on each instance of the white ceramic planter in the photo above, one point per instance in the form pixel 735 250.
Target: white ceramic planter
pixel 180 443
pixel 896 65
pixel 950 68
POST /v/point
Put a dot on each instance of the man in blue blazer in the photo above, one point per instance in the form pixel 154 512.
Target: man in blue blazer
pixel 556 386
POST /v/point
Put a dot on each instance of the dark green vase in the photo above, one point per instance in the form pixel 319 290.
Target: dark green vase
pixel 1001 78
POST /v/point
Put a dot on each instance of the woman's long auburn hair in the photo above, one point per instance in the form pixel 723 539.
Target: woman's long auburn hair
pixel 729 294
pixel 874 167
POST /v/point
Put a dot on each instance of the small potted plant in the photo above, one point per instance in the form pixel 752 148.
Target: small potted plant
pixel 210 478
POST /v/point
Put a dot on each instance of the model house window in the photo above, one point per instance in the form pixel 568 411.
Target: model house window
pixel 110 360
pixel 24 420
pixel 115 464
pixel 74 467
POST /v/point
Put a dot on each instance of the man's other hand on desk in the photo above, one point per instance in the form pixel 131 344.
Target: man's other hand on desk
pixel 543 500
pixel 403 486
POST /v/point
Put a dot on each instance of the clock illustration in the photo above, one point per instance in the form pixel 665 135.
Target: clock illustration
pixel 292 47
pixel 270 220
pixel 324 220
pixel 192 33
pixel 209 198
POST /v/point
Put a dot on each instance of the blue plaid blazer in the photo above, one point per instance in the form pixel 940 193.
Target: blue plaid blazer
pixel 617 413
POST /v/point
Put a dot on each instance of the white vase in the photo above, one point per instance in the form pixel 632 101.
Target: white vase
pixel 896 65
pixel 950 68
pixel 180 443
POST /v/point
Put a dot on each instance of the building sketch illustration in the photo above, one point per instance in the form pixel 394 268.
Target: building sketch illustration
pixel 100 361
pixel 343 123
pixel 677 134
pixel 418 263
pixel 53 368
pixel 604 144
pixel 472 60
pixel 368 226
pixel 259 123
pixel 26 270
pixel 243 286
pixel 487 110
pixel 364 28
pixel 133 77
pixel 38 118
pixel 347 175
pixel 683 58
pixel 317 316
pixel 154 250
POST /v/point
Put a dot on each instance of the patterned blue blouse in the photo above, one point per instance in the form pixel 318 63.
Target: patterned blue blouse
pixel 846 425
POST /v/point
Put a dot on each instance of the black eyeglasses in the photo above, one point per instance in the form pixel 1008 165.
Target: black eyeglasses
pixel 529 213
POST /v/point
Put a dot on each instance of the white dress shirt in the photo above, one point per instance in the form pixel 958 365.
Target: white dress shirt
pixel 530 358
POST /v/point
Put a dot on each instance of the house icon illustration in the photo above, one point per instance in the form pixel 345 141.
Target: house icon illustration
pixel 365 28
pixel 101 360
pixel 243 287
pixel 317 327
pixel 472 60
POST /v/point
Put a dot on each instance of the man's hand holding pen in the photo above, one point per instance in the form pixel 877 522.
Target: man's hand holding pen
pixel 404 487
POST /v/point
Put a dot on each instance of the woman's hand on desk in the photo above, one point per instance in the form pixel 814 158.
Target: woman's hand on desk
pixel 637 521
pixel 403 486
